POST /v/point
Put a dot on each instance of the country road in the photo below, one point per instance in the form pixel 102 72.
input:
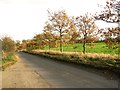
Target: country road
pixel 33 71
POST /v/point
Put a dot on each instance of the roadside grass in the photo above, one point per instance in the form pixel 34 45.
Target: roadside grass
pixel 0 59
pixel 99 47
pixel 100 61
pixel 8 60
pixel 99 56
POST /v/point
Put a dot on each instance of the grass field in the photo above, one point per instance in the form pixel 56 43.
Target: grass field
pixel 98 48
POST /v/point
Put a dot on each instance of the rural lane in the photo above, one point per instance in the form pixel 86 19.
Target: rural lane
pixel 33 71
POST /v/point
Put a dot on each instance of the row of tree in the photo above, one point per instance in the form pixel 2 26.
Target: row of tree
pixel 60 29
pixel 68 29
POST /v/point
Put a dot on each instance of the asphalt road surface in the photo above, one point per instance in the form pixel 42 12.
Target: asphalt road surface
pixel 33 71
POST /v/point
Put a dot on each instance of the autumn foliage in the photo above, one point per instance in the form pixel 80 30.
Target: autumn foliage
pixel 61 29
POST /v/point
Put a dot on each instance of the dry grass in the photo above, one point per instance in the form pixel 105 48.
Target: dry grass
pixel 102 61
pixel 9 60
pixel 93 55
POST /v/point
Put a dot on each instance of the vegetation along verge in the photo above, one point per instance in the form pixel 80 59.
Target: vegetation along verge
pixel 100 61
pixel 8 60
pixel 8 54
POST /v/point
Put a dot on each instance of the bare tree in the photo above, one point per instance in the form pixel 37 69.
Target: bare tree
pixel 112 37
pixel 48 34
pixel 111 12
pixel 86 26
pixel 60 24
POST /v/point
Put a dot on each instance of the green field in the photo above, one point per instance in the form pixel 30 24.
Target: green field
pixel 98 48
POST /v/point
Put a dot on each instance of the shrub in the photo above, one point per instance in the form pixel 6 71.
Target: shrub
pixel 8 45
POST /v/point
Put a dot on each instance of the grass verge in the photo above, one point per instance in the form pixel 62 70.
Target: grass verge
pixel 100 61
pixel 8 60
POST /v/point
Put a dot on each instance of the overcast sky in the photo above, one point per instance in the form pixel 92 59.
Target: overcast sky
pixel 22 19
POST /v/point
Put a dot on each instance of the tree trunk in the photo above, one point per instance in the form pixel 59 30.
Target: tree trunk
pixel 49 44
pixel 84 47
pixel 61 49
pixel 84 44
pixel 61 45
